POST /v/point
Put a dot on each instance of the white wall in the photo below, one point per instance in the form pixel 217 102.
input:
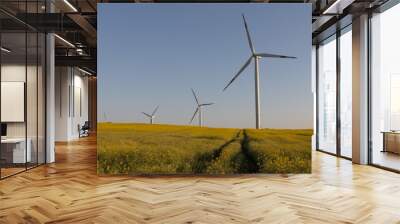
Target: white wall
pixel 80 109
pixel 62 82
pixel 70 84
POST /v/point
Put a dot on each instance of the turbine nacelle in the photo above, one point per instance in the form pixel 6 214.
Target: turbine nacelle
pixel 152 115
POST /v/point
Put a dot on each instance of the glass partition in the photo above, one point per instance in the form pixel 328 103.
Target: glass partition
pixel 346 92
pixel 31 99
pixel 334 66
pixel 327 95
pixel 41 97
pixel 41 88
pixel 14 153
pixel 385 89
pixel 22 101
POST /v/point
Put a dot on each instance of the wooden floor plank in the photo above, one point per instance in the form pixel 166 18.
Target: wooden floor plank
pixel 69 191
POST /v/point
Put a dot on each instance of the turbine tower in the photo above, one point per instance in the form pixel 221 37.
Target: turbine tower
pixel 256 56
pixel 152 115
pixel 198 108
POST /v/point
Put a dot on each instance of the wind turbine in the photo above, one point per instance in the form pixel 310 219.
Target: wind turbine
pixel 198 108
pixel 256 56
pixel 152 116
pixel 105 117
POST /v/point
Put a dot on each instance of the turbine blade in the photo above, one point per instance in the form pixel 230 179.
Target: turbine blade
pixel 197 110
pixel 195 97
pixel 265 55
pixel 248 35
pixel 155 110
pixel 239 72
pixel 206 104
pixel 148 115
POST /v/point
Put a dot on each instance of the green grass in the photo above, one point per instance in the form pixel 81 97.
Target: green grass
pixel 172 149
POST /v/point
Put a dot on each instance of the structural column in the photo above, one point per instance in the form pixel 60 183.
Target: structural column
pixel 50 99
pixel 50 92
pixel 360 89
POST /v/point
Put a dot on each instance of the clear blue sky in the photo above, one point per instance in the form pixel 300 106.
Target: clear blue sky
pixel 152 54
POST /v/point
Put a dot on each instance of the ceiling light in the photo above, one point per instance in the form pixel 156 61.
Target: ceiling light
pixel 65 41
pixel 84 71
pixel 70 5
pixel 5 50
pixel 79 51
pixel 338 6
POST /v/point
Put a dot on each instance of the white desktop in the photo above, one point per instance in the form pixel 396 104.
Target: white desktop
pixel 16 147
pixel 19 155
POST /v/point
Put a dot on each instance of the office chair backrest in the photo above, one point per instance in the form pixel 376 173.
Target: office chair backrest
pixel 86 124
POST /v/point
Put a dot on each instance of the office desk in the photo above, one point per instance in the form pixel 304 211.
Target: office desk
pixel 13 150
pixel 391 141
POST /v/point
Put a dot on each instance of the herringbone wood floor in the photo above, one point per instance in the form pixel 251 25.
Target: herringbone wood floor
pixel 69 191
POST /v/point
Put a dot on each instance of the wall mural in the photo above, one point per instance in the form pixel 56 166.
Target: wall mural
pixel 204 89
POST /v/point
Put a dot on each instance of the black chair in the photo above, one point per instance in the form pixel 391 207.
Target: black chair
pixel 84 130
